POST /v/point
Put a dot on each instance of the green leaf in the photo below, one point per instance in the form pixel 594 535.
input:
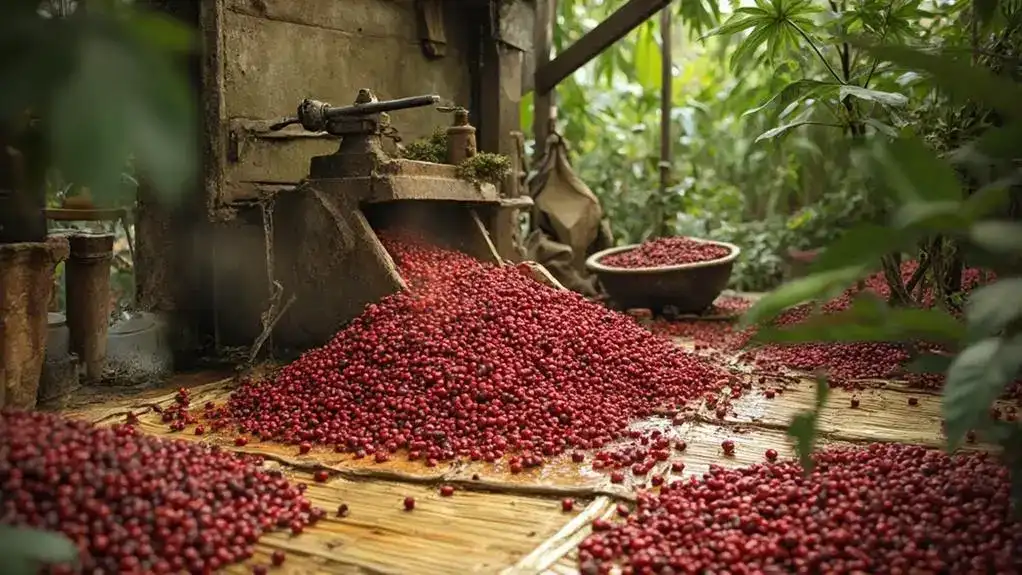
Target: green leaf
pixel 526 112
pixel 989 199
pixel 1000 142
pixel 803 427
pixel 648 58
pixel 984 10
pixel 862 245
pixel 914 172
pixel 699 15
pixel 934 217
pixel 892 99
pixel 1000 237
pixel 930 363
pixel 781 130
pixel 822 393
pixel 885 129
pixel 861 324
pixel 959 78
pixel 992 308
pixel 25 550
pixel 742 19
pixel 124 98
pixel 803 430
pixel 163 32
pixel 793 92
pixel 976 378
pixel 746 50
pixel 814 286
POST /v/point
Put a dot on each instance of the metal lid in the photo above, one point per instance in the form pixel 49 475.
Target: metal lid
pixel 134 324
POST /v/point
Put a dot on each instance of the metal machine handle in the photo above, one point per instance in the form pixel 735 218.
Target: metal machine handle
pixel 314 115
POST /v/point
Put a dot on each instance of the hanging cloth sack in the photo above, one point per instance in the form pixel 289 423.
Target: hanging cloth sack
pixel 568 218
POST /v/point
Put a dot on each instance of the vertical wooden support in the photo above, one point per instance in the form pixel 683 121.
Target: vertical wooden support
pixel 543 103
pixel 500 96
pixel 666 101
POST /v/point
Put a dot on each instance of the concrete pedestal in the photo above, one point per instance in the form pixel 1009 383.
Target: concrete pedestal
pixel 26 283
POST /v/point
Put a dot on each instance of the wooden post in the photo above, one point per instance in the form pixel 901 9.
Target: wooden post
pixel 543 101
pixel 666 97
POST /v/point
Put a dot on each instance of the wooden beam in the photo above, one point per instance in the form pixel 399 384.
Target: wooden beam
pixel 615 27
pixel 543 103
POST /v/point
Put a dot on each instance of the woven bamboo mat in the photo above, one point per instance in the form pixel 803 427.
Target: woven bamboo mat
pixel 498 522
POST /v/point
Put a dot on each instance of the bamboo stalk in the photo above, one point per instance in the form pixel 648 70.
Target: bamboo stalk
pixel 562 542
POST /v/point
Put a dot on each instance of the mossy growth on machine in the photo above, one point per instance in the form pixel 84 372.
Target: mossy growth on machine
pixel 484 167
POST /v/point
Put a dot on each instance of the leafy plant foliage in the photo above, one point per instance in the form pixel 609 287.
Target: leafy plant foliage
pixel 929 201
pixel 86 93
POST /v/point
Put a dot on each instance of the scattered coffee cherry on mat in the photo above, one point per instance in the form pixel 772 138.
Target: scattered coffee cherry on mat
pixel 473 361
pixel 681 445
pixel 913 401
pixel 677 467
pixel 240 441
pixel 567 504
pixel 882 508
pixel 446 490
pixel 847 364
pixel 321 476
pixel 617 477
pixel 769 394
pixel 771 454
pixel 728 446
pixel 601 525
pixel 277 558
pixel 409 503
pixel 663 252
pixel 342 510
pixel 854 402
pixel 135 503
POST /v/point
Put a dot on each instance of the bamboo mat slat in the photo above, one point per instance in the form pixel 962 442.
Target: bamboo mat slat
pixel 465 533
pixel 564 541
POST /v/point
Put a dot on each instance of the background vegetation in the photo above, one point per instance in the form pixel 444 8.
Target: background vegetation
pixel 732 84
pixel 878 130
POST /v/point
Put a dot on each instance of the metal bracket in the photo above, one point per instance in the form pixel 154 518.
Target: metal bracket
pixel 431 28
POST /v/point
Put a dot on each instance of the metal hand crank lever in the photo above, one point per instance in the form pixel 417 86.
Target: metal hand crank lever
pixel 316 116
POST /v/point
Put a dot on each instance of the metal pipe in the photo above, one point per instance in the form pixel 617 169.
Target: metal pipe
pixel 333 113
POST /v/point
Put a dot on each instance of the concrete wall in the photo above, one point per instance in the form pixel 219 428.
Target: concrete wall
pixel 274 53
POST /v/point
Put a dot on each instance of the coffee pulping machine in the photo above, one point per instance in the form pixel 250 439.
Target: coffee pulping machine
pixel 325 251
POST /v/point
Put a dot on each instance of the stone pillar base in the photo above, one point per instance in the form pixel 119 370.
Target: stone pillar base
pixel 26 283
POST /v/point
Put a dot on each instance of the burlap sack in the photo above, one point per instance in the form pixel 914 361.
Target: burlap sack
pixel 567 221
pixel 557 259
